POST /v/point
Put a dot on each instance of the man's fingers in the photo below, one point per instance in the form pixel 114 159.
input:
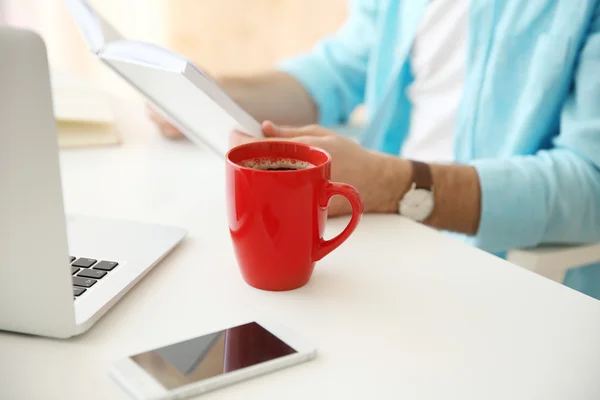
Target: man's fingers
pixel 154 115
pixel 164 126
pixel 270 129
pixel 277 131
pixel 237 138
pixel 169 130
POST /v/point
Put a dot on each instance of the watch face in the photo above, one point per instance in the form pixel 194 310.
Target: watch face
pixel 417 204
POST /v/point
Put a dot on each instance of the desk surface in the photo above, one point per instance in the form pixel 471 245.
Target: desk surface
pixel 399 311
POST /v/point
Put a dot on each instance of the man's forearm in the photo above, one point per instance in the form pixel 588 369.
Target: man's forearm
pixel 274 96
pixel 457 199
pixel 456 190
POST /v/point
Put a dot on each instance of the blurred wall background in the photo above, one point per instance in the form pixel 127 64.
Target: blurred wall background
pixel 221 36
pixel 245 36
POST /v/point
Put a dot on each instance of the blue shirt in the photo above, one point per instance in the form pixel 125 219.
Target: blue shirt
pixel 529 119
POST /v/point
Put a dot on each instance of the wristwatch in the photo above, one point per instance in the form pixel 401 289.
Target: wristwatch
pixel 417 204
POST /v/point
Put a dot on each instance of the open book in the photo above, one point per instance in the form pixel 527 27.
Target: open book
pixel 186 96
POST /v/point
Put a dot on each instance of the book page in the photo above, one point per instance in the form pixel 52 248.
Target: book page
pixel 144 53
pixel 95 30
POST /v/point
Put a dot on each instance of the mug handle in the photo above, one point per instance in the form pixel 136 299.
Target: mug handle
pixel 333 188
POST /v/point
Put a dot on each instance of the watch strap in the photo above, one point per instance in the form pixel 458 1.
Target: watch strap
pixel 421 175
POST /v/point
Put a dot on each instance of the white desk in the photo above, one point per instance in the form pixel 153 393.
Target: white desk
pixel 398 312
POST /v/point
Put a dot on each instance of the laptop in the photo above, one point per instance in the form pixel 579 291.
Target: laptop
pixel 58 274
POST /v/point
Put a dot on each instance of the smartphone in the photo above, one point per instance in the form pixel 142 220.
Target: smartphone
pixel 205 363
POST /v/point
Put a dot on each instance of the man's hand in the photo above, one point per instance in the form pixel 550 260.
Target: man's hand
pixel 371 173
pixel 382 180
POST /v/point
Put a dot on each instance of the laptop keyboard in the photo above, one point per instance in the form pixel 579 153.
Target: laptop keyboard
pixel 87 272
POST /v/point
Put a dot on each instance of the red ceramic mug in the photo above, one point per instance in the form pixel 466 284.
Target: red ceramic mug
pixel 277 217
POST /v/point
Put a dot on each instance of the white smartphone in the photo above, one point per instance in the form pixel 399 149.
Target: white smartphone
pixel 211 361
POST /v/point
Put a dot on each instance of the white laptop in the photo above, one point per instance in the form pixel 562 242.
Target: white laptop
pixel 185 95
pixel 58 275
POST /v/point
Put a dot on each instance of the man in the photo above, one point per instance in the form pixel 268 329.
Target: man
pixel 500 98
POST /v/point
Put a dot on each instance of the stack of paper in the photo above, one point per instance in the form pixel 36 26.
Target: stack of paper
pixel 83 112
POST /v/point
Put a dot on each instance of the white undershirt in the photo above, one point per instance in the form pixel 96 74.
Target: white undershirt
pixel 438 60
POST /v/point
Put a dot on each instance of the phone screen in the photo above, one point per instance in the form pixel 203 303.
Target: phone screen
pixel 211 355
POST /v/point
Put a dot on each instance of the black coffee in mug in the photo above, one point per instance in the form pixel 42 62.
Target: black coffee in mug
pixel 276 164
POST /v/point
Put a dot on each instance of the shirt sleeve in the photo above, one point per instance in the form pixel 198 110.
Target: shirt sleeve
pixel 554 195
pixel 334 72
